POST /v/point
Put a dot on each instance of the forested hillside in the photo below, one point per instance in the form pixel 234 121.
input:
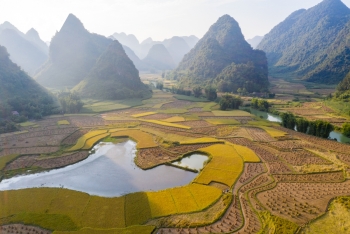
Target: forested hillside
pixel 311 44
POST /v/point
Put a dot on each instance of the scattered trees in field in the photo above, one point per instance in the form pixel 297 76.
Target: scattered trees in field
pixel 260 104
pixel 210 93
pixel 70 102
pixel 197 91
pixel 228 101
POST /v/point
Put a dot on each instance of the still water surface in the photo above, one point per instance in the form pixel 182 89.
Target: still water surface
pixel 195 162
pixel 108 172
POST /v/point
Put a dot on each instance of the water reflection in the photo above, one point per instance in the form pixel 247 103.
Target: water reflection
pixel 195 162
pixel 109 172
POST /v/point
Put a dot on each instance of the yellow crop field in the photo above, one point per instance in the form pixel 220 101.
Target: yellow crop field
pixel 81 141
pixel 63 122
pixel 6 159
pixel 184 201
pixel 137 209
pixel 247 154
pixel 144 114
pixel 216 175
pixel 144 140
pixel 128 230
pixel 273 132
pixel 204 195
pixel 67 202
pixel 92 141
pixel 174 119
pixel 233 113
pixel 120 129
pixel 167 124
pixel 222 121
pixel 201 141
pixel 225 166
pixel 104 213
pixel 161 203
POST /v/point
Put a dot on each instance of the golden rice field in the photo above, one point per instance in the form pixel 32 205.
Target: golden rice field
pixel 175 119
pixel 201 141
pixel 63 122
pixel 233 113
pixel 224 167
pixel 247 154
pixel 82 140
pixel 144 114
pixel 71 210
pixel 93 140
pixel 143 139
pixel 166 124
pixel 6 159
pixel 222 121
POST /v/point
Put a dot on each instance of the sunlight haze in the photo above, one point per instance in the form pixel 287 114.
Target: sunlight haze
pixel 158 19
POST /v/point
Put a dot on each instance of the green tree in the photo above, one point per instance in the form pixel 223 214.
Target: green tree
pixel 197 91
pixel 346 129
pixel 210 93
pixel 228 101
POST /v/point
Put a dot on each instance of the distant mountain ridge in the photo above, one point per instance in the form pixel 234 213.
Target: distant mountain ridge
pixel 159 58
pixel 224 57
pixel 27 50
pixel 255 41
pixel 73 52
pixel 114 76
pixel 176 46
pixel 311 44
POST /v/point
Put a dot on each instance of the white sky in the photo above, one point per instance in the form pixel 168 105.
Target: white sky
pixel 158 19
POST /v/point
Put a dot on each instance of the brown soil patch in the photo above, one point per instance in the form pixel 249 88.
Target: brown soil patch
pixel 317 142
pixel 32 150
pixel 251 170
pixel 196 124
pixel 72 139
pixel 301 202
pixel 336 177
pixel 177 105
pixel 258 134
pixel 21 228
pixel 303 157
pixel 49 163
pixel 150 157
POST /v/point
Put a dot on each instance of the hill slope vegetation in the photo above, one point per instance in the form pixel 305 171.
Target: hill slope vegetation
pixel 19 92
pixel 114 76
pixel 219 58
pixel 311 44
pixel 73 52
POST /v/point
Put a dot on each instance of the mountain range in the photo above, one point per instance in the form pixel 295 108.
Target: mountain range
pixel 176 46
pixel 312 45
pixel 255 41
pixel 27 50
pixel 73 52
pixel 224 58
pixel 114 76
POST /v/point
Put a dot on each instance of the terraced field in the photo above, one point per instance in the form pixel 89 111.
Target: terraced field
pixel 261 178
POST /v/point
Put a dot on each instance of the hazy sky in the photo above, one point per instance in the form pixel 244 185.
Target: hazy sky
pixel 158 19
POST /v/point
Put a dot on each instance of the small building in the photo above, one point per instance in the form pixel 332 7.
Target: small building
pixel 15 113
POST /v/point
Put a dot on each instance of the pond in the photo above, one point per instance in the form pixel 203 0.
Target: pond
pixel 194 162
pixel 108 172
pixel 275 118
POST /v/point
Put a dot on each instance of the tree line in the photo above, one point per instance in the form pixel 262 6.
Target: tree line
pixel 317 128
